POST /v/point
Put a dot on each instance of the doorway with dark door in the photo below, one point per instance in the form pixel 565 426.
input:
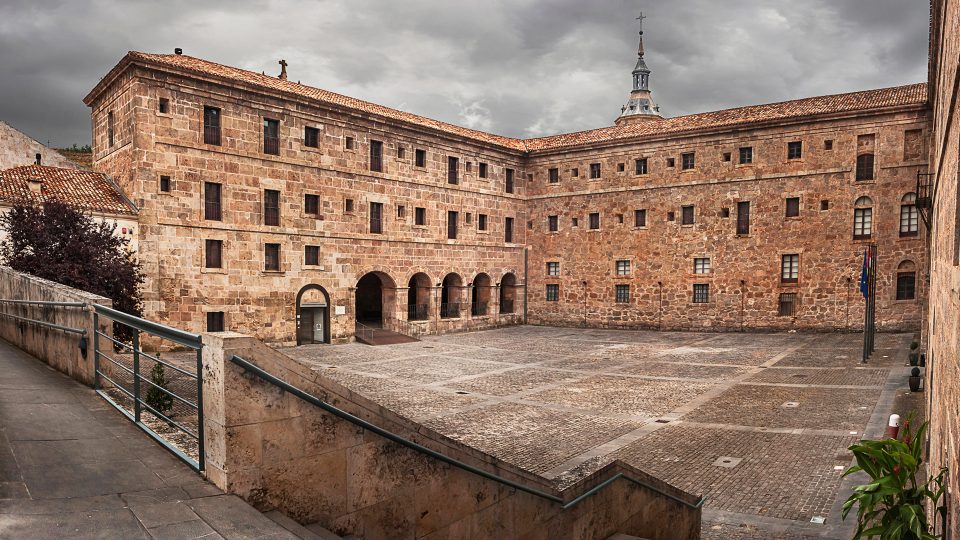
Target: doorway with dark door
pixel 313 315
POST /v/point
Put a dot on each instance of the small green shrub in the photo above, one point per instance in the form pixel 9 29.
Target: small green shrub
pixel 159 400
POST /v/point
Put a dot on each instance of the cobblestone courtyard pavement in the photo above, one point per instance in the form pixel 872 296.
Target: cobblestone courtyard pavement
pixel 757 423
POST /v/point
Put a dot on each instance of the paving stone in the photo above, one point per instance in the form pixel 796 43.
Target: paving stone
pixel 513 381
pixel 856 376
pixel 619 395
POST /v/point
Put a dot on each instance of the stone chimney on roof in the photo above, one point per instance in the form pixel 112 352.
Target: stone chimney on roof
pixel 283 70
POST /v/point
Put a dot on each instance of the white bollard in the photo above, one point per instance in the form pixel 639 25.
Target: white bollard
pixel 893 426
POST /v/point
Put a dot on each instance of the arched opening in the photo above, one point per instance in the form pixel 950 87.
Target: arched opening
pixel 418 297
pixel 450 293
pixel 863 218
pixel 906 281
pixel 508 293
pixel 909 215
pixel 374 299
pixel 313 315
pixel 480 295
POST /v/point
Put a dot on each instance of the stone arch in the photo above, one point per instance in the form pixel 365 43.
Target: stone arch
pixel 451 296
pixel 312 308
pixel 508 293
pixel 418 297
pixel 480 294
pixel 375 299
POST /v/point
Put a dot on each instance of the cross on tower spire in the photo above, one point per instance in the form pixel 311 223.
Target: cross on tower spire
pixel 641 18
pixel 640 103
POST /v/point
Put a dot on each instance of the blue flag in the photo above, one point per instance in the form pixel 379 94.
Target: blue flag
pixel 865 277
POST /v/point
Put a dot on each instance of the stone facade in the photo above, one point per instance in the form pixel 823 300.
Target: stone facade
pixel 18 149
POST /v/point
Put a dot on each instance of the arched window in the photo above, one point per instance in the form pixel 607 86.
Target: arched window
pixel 865 167
pixel 863 218
pixel 906 281
pixel 909 215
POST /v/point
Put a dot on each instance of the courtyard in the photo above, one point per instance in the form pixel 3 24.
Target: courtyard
pixel 759 424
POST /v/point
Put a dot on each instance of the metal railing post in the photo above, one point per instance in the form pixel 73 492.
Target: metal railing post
pixel 96 351
pixel 200 430
pixel 136 376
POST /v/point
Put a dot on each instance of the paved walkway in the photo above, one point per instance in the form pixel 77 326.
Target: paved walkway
pixel 72 466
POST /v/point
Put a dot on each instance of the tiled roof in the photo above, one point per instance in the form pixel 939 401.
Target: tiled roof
pixel 86 190
pixel 914 94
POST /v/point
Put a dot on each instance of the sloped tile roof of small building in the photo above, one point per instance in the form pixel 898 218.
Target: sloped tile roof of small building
pixel 87 190
pixel 914 94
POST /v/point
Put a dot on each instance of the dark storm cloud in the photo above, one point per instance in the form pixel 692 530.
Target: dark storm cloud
pixel 522 68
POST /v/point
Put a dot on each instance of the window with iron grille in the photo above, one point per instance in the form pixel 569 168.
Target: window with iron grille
pixel 701 293
pixel 746 155
pixel 793 207
pixel 165 184
pixel 553 292
pixel 452 225
pixel 863 221
pixel 420 158
pixel 906 285
pixel 420 216
pixel 110 128
pixel 622 294
pixel 640 166
pixel 508 229
pixel 553 176
pixel 553 269
pixel 211 201
pixel 376 156
pixel 482 171
pixel 164 107
pixel 271 207
pixel 794 150
pixel 790 268
pixel 553 223
pixel 865 167
pixel 743 217
pixel 453 170
pixel 271 257
pixel 376 218
pixel 348 142
pixel 508 187
pixel 687 161
pixel 215 321
pixel 787 306
pixel 311 137
pixel 213 254
pixel 311 255
pixel 271 136
pixel 595 220
pixel 623 268
pixel 686 216
pixel 594 170
pixel 909 215
pixel 701 265
pixel 482 222
pixel 640 218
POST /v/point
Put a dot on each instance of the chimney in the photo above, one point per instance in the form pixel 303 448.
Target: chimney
pixel 35 184
pixel 178 51
pixel 39 158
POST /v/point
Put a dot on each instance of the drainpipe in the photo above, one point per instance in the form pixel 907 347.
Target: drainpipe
pixel 660 309
pixel 526 282
pixel 584 304
pixel 743 284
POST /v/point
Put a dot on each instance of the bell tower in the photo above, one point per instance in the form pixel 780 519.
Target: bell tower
pixel 640 104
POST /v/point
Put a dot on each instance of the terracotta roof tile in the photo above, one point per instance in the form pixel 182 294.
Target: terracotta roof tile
pixel 87 190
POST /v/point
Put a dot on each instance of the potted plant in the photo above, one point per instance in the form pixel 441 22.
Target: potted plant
pixel 915 379
pixel 914 355
pixel 894 503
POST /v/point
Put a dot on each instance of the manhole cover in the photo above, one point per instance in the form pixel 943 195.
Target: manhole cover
pixel 727 462
pixel 790 405
pixel 818 520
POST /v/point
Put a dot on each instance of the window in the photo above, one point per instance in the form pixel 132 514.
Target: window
pixel 164 105
pixel 469 218
pixel 726 156
pixel 725 212
pixel 687 161
pixel 906 281
pixel 789 268
pixel 508 229
pixel 509 183
pixel 640 166
pixel 401 211
pixel 620 167
pixel 862 218
pixel 376 156
pixel 622 294
pixel 701 293
pixel 529 177
pixel 420 158
pixel 794 150
pixel 376 218
pixel 211 201
pixel 553 269
pixel 110 128
pixel 420 216
pixel 452 225
pixel 788 305
pixel 553 176
pixel 670 216
pixel 453 172
pixel 671 163
pixel 553 223
pixel 686 216
pixel 595 220
pixel 865 167
pixel 401 152
pixel 215 321
pixel 469 166
pixel 271 257
pixel 213 254
pixel 623 268
pixel 912 144
pixel 553 292
pixel 909 215
pixel 311 204
pixel 824 205
pixel 594 170
pixel 165 184
pixel 482 222
pixel 482 170
pixel 746 155
pixel 701 265
pixel 574 172
pixel 311 137
pixel 348 205
pixel 743 217
pixel 828 144
pixel 271 137
pixel 574 222
pixel 311 255
pixel 793 207
pixel 619 218
pixel 640 218
pixel 348 142
pixel 271 207
pixel 211 126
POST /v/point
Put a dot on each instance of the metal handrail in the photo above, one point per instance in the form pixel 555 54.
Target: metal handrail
pixel 163 331
pixel 401 327
pixel 340 413
pixel 68 329
pixel 43 303
pixel 363 331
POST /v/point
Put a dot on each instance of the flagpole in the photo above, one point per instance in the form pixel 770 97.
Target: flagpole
pixel 865 274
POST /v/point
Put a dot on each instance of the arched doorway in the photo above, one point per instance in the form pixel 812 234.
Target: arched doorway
pixel 480 295
pixel 374 299
pixel 508 293
pixel 450 292
pixel 418 297
pixel 313 315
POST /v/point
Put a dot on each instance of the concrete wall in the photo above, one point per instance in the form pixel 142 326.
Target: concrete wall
pixel 59 349
pixel 278 451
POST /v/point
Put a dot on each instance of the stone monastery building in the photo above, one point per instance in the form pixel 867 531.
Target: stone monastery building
pixel 292 213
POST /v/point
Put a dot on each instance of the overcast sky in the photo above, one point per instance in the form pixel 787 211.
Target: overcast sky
pixel 522 68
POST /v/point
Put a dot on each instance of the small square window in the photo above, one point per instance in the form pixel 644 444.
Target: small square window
pixel 213 254
pixel 215 321
pixel 622 293
pixel 482 222
pixel 420 158
pixel 348 143
pixel 271 257
pixel 787 305
pixel 483 170
pixel 553 223
pixel 620 167
pixel 746 155
pixel 311 137
pixel 574 222
pixel 793 207
pixel 469 167
pixel 594 171
pixel 164 106
pixel 640 166
pixel 553 176
pixel 311 204
pixel 640 218
pixel 623 268
pixel 401 211
pixel 165 184
pixel 420 216
pixel 348 205
pixel 401 152
pixel 725 212
pixel 794 150
pixel 687 215
pixel 701 265
pixel 595 220
pixel 469 218
pixel 553 269
pixel 311 255
pixel 670 216
pixel 671 162
pixel 701 293
pixel 574 172
pixel 619 218
pixel 529 178
pixel 726 156
pixel 828 144
pixel 688 161
pixel 553 292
